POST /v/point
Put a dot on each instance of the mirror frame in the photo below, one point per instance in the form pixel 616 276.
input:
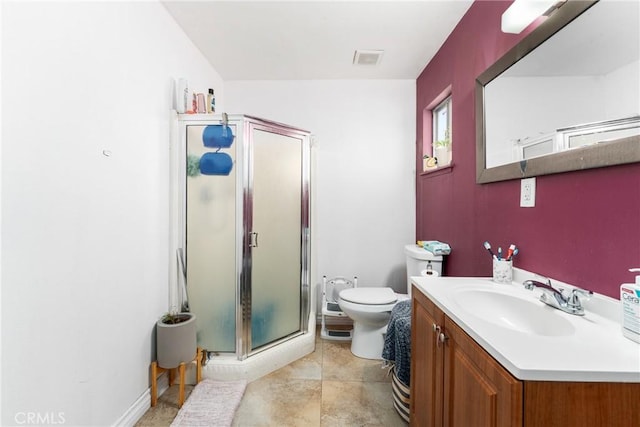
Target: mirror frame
pixel 621 151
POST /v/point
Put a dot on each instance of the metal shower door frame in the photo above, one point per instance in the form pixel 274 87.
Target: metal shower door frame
pixel 244 204
pixel 243 313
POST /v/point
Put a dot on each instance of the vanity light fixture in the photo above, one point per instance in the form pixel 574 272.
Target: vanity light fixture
pixel 521 13
pixel 367 57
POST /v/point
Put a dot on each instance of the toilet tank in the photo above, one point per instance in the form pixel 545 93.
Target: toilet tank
pixel 418 259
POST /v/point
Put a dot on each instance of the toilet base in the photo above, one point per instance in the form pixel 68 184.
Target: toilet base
pixel 368 341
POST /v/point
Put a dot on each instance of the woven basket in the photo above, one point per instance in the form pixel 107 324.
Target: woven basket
pixel 401 396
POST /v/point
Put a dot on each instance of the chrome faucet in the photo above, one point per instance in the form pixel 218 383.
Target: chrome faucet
pixel 560 298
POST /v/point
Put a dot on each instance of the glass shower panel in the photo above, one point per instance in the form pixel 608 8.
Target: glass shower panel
pixel 211 246
pixel 276 251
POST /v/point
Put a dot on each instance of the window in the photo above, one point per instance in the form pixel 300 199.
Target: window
pixel 441 115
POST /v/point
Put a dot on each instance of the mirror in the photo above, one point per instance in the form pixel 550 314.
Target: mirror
pixel 567 97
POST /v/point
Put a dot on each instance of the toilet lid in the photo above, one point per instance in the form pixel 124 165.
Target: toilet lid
pixel 369 295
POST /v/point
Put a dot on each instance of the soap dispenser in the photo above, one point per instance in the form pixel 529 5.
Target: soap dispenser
pixel 630 300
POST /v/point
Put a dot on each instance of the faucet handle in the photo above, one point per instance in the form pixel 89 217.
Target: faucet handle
pixel 532 284
pixel 574 299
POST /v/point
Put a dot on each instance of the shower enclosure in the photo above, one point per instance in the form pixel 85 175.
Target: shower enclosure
pixel 240 232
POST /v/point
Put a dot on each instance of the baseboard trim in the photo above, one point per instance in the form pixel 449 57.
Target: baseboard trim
pixel 142 404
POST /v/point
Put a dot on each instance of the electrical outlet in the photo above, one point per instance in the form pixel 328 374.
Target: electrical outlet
pixel 528 192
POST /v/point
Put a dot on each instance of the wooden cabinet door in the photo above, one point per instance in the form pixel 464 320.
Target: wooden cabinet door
pixel 578 404
pixel 426 363
pixel 477 390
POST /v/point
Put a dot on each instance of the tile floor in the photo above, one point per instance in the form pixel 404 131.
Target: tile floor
pixel 329 387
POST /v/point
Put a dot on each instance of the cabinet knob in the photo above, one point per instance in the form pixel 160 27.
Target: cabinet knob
pixel 442 338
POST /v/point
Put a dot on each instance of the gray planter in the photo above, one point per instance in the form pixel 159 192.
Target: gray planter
pixel 176 343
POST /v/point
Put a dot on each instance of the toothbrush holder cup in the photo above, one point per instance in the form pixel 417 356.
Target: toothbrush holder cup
pixel 502 271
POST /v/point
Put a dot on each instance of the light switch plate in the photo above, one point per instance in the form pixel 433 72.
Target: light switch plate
pixel 528 192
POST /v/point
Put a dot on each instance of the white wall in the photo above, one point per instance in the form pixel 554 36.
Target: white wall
pixel 364 160
pixel 85 235
pixel 570 100
pixel 622 92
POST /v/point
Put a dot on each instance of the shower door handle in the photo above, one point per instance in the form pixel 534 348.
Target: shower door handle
pixel 254 239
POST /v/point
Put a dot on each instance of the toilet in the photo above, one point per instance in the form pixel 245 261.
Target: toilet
pixel 370 307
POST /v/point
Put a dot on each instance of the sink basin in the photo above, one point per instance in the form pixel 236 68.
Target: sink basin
pixel 532 340
pixel 514 312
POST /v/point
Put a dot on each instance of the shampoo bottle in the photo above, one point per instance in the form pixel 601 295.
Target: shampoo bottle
pixel 201 107
pixel 630 301
pixel 211 102
pixel 182 96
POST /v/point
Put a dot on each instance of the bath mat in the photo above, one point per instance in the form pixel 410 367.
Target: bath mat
pixel 211 404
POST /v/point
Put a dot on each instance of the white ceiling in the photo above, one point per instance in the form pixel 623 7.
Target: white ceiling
pixel 308 40
pixel 601 40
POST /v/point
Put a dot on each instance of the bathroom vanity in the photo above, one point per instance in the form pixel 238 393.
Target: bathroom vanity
pixel 485 354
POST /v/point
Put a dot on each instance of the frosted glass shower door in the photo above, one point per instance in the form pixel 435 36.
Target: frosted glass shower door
pixel 211 246
pixel 276 239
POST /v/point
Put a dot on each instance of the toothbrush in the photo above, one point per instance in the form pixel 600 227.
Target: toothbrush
pixel 500 252
pixel 510 252
pixel 515 252
pixel 488 247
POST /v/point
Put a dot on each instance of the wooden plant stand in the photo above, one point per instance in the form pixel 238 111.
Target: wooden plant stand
pixel 157 370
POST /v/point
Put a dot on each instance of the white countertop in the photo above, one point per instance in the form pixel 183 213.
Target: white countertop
pixel 594 351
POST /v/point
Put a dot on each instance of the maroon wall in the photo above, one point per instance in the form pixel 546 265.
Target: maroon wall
pixel 585 227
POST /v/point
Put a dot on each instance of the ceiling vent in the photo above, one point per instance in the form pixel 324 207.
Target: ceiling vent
pixel 367 57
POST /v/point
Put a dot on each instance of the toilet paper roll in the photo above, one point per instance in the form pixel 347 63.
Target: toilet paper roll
pixel 429 273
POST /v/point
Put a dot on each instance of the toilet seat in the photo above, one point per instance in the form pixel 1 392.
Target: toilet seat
pixel 370 310
pixel 369 296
